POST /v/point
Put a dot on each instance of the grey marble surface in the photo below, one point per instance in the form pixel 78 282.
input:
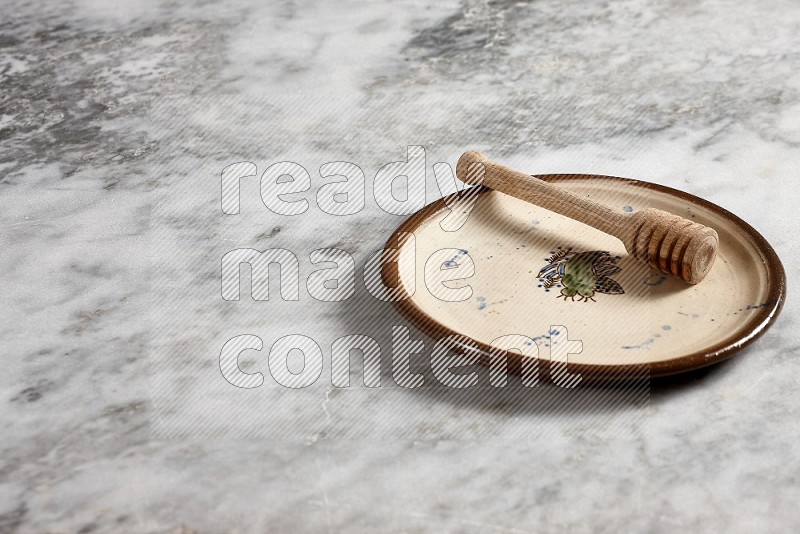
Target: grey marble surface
pixel 115 122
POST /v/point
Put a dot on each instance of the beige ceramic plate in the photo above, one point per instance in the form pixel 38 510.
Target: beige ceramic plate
pixel 535 269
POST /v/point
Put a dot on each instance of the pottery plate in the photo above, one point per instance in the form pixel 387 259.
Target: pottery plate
pixel 515 269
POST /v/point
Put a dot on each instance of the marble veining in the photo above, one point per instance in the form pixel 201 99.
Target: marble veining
pixel 116 120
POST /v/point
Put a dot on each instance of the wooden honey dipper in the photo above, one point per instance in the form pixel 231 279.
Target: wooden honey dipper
pixel 665 241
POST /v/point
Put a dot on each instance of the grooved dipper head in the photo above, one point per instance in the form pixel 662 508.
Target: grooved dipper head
pixel 672 244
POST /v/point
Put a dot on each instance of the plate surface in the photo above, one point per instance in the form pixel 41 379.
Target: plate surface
pixel 535 270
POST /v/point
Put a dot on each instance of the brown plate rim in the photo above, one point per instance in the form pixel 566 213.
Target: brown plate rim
pixel 757 324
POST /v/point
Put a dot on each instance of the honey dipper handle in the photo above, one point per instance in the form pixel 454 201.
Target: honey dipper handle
pixel 536 191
